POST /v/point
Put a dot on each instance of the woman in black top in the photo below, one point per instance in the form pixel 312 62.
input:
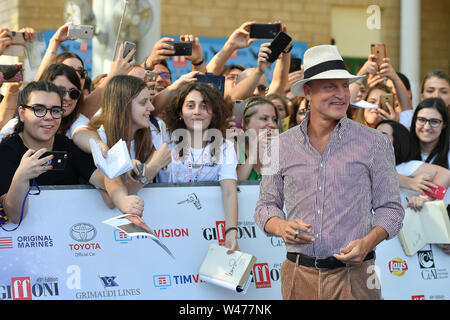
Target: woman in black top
pixel 40 112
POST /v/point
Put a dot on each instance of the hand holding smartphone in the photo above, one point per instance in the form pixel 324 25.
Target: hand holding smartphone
pixel 238 112
pixel 127 47
pixel 388 97
pixel 438 192
pixel 182 48
pixel 17 47
pixel 59 159
pixel 264 31
pixel 11 73
pixel 379 50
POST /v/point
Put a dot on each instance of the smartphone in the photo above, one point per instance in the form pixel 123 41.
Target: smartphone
pixel 238 112
pixel 296 64
pixel 378 49
pixel 58 162
pixel 182 48
pixel 17 47
pixel 150 75
pixel 438 192
pixel 264 31
pixel 127 47
pixel 80 31
pixel 217 82
pixel 388 97
pixel 11 72
pixel 278 45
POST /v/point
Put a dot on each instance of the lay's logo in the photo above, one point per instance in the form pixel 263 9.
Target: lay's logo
pixel 398 266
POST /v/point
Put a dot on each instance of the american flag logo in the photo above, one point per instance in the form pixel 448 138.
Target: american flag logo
pixel 6 243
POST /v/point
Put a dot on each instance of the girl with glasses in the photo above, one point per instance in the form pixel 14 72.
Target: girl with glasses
pixel 430 131
pixel 40 114
pixel 66 79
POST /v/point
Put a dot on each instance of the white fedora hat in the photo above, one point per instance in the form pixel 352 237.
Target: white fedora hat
pixel 322 62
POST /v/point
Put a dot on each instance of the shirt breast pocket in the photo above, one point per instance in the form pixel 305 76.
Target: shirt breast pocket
pixel 352 179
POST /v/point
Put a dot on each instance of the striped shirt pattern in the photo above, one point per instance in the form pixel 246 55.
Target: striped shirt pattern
pixel 343 193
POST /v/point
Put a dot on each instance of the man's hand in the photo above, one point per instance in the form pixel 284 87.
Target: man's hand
pixel 288 229
pixel 355 252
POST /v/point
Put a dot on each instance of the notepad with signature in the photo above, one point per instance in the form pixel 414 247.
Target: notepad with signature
pixel 231 271
pixel 430 225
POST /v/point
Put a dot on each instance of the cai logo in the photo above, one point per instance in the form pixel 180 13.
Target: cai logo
pixel 162 281
pixel 419 297
pixel 83 232
pixel 261 275
pixel 398 266
pixel 425 259
pixel 109 281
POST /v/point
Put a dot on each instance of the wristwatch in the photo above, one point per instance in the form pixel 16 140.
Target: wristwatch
pixel 142 178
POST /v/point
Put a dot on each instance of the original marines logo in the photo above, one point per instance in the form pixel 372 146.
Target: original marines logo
pixel 83 233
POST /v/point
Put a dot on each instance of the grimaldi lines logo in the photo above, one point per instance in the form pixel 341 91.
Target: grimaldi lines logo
pixel 21 288
pixel 84 234
pixel 246 230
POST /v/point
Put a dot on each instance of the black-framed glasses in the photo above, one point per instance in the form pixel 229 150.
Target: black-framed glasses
pixel 434 123
pixel 74 93
pixel 82 72
pixel 40 110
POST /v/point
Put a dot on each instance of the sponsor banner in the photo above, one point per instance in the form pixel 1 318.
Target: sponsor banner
pixel 63 251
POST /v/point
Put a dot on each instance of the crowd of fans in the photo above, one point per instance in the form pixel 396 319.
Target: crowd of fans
pixel 64 108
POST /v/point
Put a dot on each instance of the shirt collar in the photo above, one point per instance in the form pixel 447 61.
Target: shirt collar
pixel 337 132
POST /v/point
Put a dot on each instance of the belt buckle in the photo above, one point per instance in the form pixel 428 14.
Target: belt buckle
pixel 316 265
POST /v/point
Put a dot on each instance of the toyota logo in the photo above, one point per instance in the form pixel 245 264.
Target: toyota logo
pixel 83 232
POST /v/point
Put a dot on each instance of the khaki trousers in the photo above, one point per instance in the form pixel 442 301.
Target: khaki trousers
pixel 359 282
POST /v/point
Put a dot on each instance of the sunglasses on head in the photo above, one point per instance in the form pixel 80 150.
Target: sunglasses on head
pixel 74 93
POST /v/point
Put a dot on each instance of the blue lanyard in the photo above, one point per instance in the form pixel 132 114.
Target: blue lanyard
pixel 23 203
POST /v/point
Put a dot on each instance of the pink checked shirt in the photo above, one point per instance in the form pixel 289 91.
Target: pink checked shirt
pixel 343 193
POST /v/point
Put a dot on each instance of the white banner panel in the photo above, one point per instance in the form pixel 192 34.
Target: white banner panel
pixel 62 250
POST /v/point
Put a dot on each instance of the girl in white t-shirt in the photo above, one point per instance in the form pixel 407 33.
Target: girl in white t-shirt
pixel 196 119
pixel 431 133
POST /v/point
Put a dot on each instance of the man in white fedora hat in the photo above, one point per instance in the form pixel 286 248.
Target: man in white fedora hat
pixel 337 180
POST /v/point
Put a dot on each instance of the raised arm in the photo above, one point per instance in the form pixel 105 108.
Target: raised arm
pixel 55 41
pixel 9 103
pixel 238 39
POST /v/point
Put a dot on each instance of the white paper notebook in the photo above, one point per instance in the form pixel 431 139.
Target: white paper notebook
pixel 231 271
pixel 430 225
pixel 134 226
pixel 116 163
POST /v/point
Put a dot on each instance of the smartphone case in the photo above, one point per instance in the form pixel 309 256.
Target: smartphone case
pixel 278 45
pixel 11 73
